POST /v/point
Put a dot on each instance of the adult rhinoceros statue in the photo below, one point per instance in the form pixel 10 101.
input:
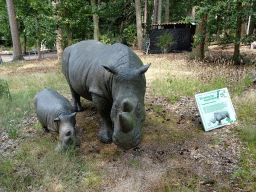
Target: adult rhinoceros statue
pixel 112 76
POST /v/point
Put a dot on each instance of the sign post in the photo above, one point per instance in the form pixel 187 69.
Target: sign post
pixel 215 108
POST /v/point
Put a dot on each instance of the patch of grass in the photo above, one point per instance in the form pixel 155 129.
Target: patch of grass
pixel 245 174
pixel 180 179
pixel 158 108
pixel 23 88
pixel 36 166
pixel 174 86
pixel 246 107
pixel 14 111
pixel 133 163
pixel 185 86
pixel 37 81
pixel 4 89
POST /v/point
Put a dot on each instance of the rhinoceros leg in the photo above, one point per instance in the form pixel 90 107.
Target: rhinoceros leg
pixel 104 108
pixel 76 103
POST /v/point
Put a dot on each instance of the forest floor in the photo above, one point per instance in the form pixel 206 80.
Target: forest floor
pixel 175 153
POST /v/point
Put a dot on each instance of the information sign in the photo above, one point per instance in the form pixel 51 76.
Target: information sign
pixel 215 108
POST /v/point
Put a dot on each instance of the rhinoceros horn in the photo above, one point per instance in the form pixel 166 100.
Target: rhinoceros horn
pixel 126 122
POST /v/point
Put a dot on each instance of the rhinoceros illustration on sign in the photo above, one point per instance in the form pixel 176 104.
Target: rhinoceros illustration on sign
pixel 218 116
pixel 112 76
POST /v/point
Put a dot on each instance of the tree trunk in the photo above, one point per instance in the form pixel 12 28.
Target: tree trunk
pixel 69 35
pixel 145 17
pixel 167 11
pixel 236 55
pixel 17 52
pixel 154 13
pixel 59 37
pixel 59 43
pixel 95 21
pixel 138 22
pixel 226 26
pixel 243 30
pixel 159 13
pixel 218 32
pixel 38 39
pixel 191 12
pixel 198 50
pixel 207 43
pixel 250 27
pixel 68 30
pixel 24 50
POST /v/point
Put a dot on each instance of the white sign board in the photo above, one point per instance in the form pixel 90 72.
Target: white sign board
pixel 215 108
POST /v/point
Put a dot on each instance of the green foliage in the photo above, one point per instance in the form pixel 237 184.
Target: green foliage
pixel 165 41
pixel 130 35
pixel 105 39
pixel 4 89
pixel 109 38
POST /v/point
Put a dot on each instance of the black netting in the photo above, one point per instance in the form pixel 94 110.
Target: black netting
pixel 181 38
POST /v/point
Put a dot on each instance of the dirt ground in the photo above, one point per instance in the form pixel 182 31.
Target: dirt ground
pixel 192 157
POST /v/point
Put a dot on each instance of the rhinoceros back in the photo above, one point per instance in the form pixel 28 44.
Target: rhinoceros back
pixel 82 66
pixel 49 105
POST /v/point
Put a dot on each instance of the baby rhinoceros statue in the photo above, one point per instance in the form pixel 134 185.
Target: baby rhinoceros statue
pixel 56 114
pixel 112 76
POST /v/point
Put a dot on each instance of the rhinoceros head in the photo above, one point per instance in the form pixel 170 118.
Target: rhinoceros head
pixel 128 113
pixel 66 131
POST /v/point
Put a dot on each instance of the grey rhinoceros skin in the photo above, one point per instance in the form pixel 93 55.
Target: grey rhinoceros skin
pixel 56 114
pixel 218 116
pixel 112 76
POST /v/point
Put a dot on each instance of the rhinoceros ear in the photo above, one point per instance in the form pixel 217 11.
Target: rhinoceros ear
pixel 144 68
pixel 111 69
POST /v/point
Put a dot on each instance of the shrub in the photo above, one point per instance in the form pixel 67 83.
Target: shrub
pixel 130 35
pixel 164 42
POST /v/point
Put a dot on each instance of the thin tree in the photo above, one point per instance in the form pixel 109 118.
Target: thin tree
pixel 218 27
pixel 159 13
pixel 59 37
pixel 250 24
pixel 139 26
pixel 167 11
pixel 226 26
pixel 38 38
pixel 154 13
pixel 236 54
pixel 67 27
pixel 17 52
pixel 145 16
pixel 250 27
pixel 95 21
